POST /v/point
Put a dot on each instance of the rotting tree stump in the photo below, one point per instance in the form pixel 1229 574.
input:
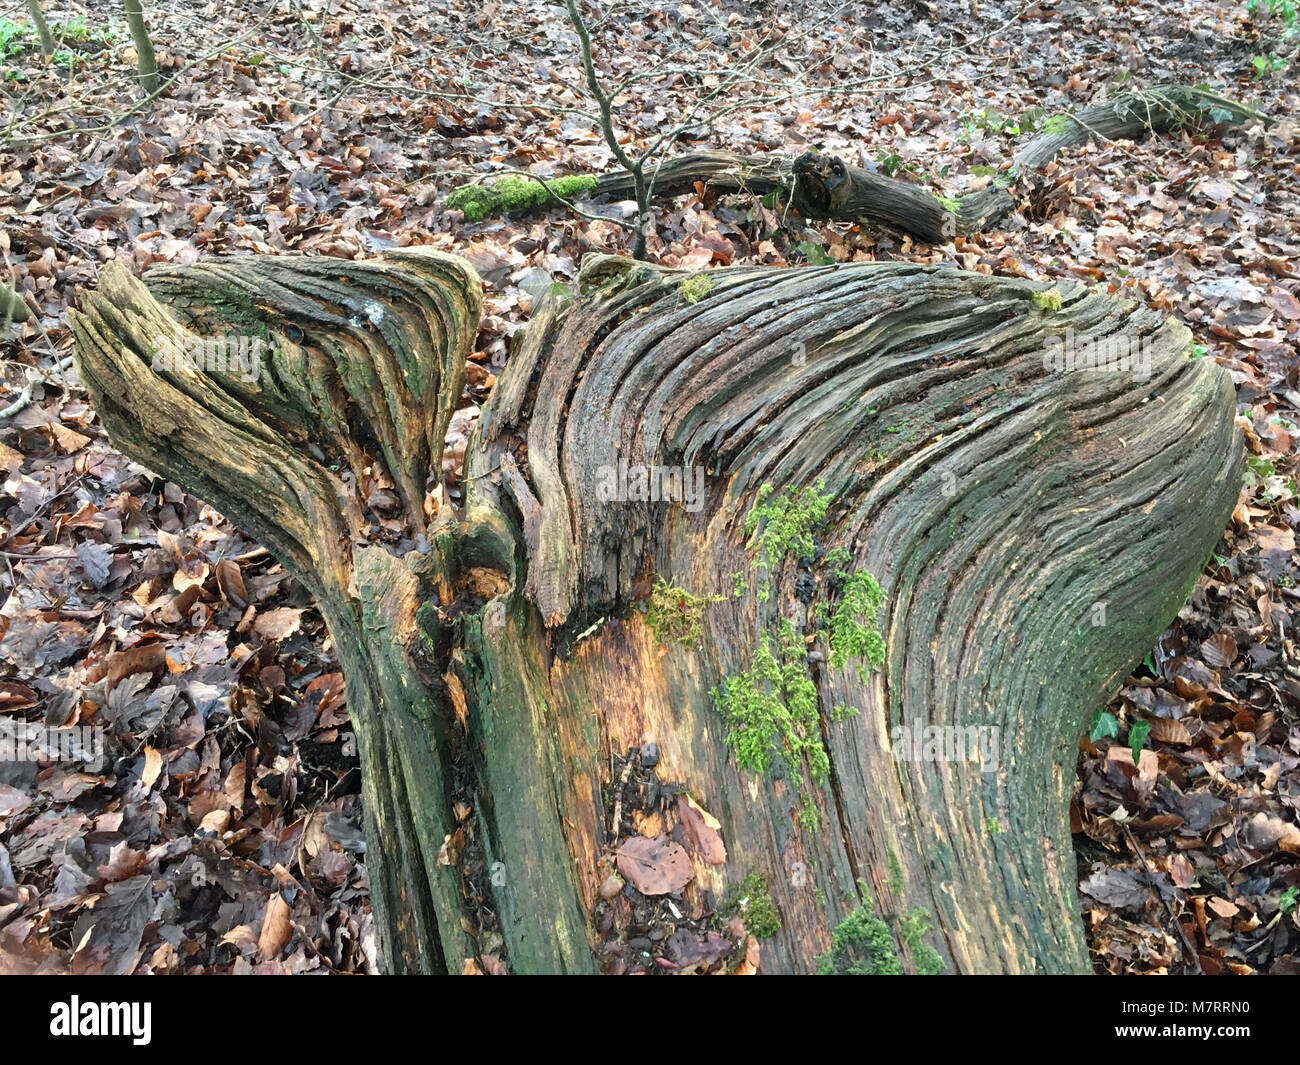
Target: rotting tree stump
pixel 890 511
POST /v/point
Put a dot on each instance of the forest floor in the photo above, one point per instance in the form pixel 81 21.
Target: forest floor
pixel 221 833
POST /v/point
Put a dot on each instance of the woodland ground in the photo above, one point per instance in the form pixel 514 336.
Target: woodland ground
pixel 222 833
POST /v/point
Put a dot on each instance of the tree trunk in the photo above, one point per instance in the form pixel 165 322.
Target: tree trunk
pixel 146 64
pixel 881 508
pixel 42 27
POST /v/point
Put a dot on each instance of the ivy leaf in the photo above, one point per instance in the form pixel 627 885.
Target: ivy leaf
pixel 1103 724
pixel 1137 736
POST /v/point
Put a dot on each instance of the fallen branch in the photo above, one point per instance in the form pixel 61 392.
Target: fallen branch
pixel 827 187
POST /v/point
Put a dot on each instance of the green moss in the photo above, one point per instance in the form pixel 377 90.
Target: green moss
pixel 754 902
pixel 861 945
pixel 991 826
pixel 771 710
pixel 696 287
pixel 895 871
pixel 1048 299
pixel 853 625
pixel 842 712
pixel 426 618
pixel 950 204
pixel 912 927
pixel 676 615
pixel 781 523
pixel 809 818
pixel 1057 124
pixel 838 562
pixel 738 584
pixel 771 715
pixel 511 195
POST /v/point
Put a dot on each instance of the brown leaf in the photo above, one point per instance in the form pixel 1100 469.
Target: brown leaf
pixel 701 831
pixel 1219 650
pixel 153 766
pixel 1221 907
pixel 142 658
pixel 276 928
pixel 231 583
pixel 12 801
pixel 67 440
pixel 1181 872
pixel 278 624
pixel 655 866
pixel 1167 730
pixel 236 781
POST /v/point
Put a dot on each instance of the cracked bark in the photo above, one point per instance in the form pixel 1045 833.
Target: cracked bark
pixel 995 499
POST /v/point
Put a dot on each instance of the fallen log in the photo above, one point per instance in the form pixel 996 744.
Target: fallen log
pixel 827 187
pixel 730 549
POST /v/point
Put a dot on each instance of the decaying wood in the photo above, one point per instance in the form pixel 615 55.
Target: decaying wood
pixel 997 500
pixel 829 187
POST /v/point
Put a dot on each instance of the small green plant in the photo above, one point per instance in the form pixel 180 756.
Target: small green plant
pixel 1287 903
pixel 674 614
pixel 861 945
pixel 1283 9
pixel 13 38
pixel 988 121
pixel 895 870
pixel 991 826
pixel 696 287
pixel 75 29
pixel 1259 469
pixel 781 523
pixel 1048 299
pixel 1137 737
pixel 754 902
pixel 889 162
pixel 1103 725
pixel 912 927
pixel 1267 64
pixel 509 195
pixel 771 710
pixel 814 253
pixel 853 626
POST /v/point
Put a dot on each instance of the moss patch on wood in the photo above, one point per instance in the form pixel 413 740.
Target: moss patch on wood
pixel 780 524
pixel 772 717
pixel 512 195
pixel 753 901
pixel 861 945
pixel 912 927
pixel 676 615
pixel 854 633
pixel 696 287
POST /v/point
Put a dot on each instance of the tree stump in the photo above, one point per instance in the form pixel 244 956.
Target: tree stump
pixel 744 559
